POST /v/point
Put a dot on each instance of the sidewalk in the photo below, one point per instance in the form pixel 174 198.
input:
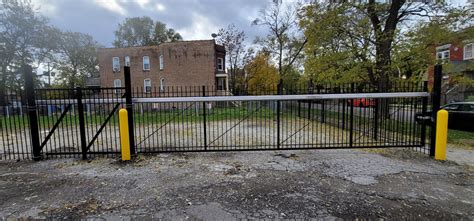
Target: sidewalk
pixel 460 156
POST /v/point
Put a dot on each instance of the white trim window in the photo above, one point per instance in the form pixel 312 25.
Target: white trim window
pixel 221 84
pixel 147 85
pixel 117 83
pixel 220 64
pixel 127 61
pixel 442 55
pixel 469 51
pixel 116 64
pixel 146 63
pixel 162 84
pixel 162 64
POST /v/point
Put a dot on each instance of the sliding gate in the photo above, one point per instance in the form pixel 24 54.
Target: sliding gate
pixel 278 122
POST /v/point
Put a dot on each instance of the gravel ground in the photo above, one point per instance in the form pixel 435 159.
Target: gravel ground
pixel 235 185
pixel 460 156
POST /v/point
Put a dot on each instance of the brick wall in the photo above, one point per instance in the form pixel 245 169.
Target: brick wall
pixel 186 63
pixel 456 52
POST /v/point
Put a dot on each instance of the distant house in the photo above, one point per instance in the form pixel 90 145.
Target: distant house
pixel 457 58
pixel 154 68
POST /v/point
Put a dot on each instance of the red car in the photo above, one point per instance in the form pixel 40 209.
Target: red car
pixel 362 102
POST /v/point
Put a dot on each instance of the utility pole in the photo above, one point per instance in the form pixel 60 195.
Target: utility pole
pixel 49 76
pixel 48 73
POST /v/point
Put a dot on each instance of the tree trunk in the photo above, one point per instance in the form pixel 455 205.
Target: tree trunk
pixel 3 90
pixel 383 43
pixel 382 68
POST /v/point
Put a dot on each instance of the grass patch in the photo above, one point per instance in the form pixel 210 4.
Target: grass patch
pixel 461 139
pixel 16 122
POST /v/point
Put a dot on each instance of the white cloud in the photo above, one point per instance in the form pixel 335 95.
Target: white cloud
pixel 112 5
pixel 45 7
pixel 192 19
pixel 143 3
pixel 201 28
pixel 160 7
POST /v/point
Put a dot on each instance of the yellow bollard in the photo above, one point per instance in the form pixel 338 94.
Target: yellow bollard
pixel 124 135
pixel 441 135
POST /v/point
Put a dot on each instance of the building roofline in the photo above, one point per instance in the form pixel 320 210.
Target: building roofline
pixel 164 43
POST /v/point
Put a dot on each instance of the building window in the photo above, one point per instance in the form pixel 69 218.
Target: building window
pixel 117 84
pixel 469 51
pixel 221 84
pixel 220 64
pixel 116 64
pixel 146 63
pixel 147 86
pixel 127 61
pixel 162 64
pixel 162 84
pixel 442 55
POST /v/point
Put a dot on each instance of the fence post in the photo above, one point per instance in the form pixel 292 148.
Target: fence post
pixel 204 117
pixel 310 102
pixel 376 116
pixel 32 114
pixel 424 108
pixel 279 92
pixel 323 109
pixel 436 102
pixel 344 103
pixel 351 123
pixel 82 123
pixel 129 107
pixel 299 108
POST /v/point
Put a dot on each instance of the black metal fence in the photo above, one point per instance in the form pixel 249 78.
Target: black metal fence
pixel 15 138
pixel 77 122
pixel 83 122
pixel 278 124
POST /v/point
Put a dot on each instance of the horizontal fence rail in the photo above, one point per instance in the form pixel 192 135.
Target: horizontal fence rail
pixel 246 98
pixel 281 97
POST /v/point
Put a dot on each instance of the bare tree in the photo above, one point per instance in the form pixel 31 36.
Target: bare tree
pixel 282 41
pixel 233 41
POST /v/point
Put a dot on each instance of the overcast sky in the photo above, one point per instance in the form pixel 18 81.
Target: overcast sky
pixel 193 19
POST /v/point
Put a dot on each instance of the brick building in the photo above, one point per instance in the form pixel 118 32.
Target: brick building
pixel 457 58
pixel 182 63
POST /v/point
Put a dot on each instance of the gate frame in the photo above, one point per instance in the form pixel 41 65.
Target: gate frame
pixel 299 97
pixel 32 108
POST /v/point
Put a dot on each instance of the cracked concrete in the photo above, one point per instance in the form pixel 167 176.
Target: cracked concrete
pixel 305 184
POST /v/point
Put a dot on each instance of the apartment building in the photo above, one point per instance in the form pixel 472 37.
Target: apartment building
pixel 154 68
pixel 457 58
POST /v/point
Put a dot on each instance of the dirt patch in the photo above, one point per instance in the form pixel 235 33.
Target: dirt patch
pixel 239 185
